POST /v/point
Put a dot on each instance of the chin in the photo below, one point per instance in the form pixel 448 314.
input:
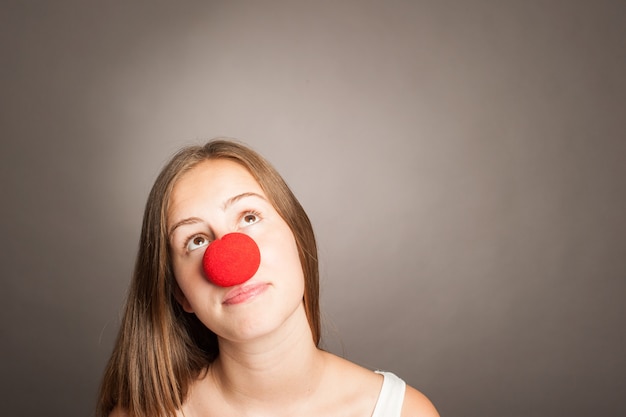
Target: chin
pixel 258 325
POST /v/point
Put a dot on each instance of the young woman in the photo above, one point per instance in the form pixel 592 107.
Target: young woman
pixel 192 345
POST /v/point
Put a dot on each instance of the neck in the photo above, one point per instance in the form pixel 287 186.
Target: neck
pixel 283 364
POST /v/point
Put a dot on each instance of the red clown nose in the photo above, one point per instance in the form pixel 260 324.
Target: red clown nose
pixel 231 260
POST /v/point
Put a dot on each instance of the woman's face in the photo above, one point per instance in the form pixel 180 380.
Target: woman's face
pixel 215 198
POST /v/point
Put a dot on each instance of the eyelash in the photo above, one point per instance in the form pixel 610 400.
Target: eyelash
pixel 190 238
pixel 250 212
pixel 241 217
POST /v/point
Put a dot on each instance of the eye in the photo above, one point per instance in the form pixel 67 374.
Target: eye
pixel 250 218
pixel 197 242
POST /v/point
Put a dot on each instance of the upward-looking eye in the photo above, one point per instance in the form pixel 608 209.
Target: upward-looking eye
pixel 197 242
pixel 249 218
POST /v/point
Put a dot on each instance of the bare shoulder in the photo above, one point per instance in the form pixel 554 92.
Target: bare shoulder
pixel 417 405
pixel 344 370
pixel 360 387
pixel 349 387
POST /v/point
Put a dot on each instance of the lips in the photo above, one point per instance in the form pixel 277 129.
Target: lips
pixel 243 293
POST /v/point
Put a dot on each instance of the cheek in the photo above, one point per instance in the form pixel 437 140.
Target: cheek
pixel 280 253
pixel 188 274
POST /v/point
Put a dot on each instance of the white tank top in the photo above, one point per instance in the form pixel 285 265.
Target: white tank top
pixel 391 396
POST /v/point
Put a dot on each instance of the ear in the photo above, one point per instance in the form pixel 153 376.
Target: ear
pixel 182 300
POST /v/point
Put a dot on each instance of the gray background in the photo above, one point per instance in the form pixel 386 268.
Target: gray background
pixel 463 164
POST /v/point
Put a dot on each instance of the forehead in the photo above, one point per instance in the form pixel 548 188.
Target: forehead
pixel 216 172
pixel 213 179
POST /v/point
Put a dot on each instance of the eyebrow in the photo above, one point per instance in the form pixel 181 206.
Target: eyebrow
pixel 225 206
pixel 190 220
pixel 238 197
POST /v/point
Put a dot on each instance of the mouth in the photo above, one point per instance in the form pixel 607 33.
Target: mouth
pixel 244 293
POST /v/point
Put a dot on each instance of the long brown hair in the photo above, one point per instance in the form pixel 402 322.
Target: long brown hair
pixel 161 349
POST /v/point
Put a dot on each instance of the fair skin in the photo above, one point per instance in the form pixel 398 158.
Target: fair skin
pixel 269 365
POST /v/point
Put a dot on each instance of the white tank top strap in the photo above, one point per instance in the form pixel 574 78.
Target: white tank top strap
pixel 391 396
